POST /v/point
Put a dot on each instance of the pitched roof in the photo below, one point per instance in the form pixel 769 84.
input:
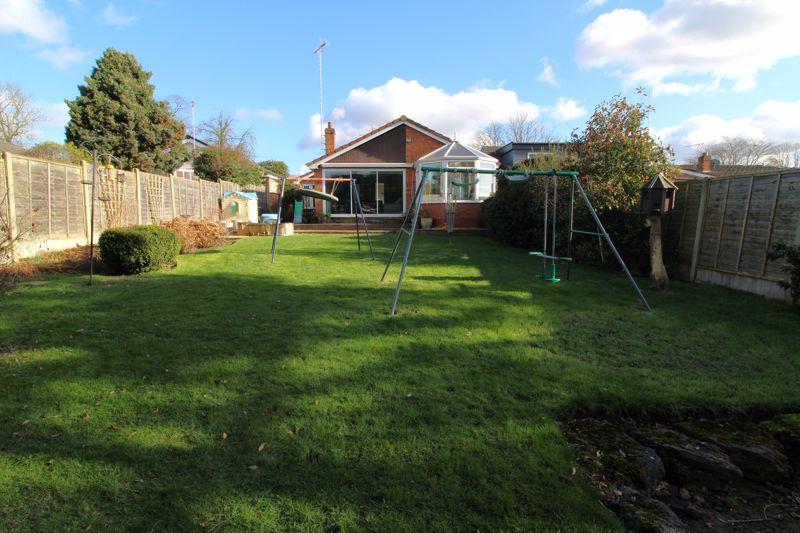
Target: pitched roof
pixel 248 195
pixel 10 147
pixel 727 171
pixel 402 119
pixel 456 150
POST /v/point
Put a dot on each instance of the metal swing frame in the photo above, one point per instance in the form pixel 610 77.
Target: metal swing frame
pixel 409 225
pixel 356 202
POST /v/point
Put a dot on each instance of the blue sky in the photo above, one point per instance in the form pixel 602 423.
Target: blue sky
pixel 714 67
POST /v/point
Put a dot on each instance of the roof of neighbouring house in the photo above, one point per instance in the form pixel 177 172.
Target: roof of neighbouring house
pixel 691 171
pixel 6 146
pixel 402 119
pixel 500 150
pixel 247 195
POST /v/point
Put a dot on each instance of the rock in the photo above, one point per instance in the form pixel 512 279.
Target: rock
pixel 691 452
pixel 652 466
pixel 684 494
pixel 759 462
pixel 651 516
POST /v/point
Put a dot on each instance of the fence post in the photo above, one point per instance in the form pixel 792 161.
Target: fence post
pixel 698 230
pixel 172 194
pixel 86 202
pixel 138 192
pixel 50 202
pixel 12 208
pixel 200 196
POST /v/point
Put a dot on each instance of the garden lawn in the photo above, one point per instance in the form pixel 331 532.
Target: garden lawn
pixel 235 394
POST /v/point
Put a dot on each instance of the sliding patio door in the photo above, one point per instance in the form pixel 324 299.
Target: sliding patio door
pixel 381 191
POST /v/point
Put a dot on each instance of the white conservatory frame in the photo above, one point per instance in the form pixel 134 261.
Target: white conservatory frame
pixel 456 154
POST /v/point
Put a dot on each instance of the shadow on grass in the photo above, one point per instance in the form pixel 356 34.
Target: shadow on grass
pixel 439 418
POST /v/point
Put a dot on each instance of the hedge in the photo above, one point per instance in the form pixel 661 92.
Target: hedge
pixel 138 249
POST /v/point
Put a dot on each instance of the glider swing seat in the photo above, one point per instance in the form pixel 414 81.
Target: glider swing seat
pixel 319 195
pixel 549 257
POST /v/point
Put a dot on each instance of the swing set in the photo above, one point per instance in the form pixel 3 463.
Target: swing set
pixel 319 195
pixel 549 257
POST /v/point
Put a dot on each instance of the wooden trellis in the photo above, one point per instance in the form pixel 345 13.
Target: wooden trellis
pixel 155 198
pixel 112 194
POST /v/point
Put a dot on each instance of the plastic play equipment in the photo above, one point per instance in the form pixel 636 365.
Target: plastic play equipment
pixel 319 195
pixel 549 258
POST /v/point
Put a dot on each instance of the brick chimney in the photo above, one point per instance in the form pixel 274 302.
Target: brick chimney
pixel 330 139
pixel 704 163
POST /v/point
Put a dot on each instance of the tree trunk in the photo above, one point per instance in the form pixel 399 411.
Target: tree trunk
pixel 659 280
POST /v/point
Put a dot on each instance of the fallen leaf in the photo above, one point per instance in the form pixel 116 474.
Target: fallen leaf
pixel 132 434
pixel 574 470
pixel 224 435
pixel 114 427
pixel 252 467
pixel 346 323
pixel 26 422
pixel 85 415
pixel 222 382
pixel 50 462
pixel 316 402
pixel 110 393
pixel 262 446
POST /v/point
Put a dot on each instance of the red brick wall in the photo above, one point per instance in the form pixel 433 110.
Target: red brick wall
pixel 417 145
pixel 468 215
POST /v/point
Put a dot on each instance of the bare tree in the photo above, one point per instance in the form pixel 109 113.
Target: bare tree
pixel 520 127
pixel 741 151
pixel 18 115
pixel 220 132
pixel 181 108
pixel 785 155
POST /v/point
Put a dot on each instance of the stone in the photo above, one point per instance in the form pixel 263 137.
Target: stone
pixel 652 466
pixel 684 494
pixel 691 452
pixel 651 516
pixel 759 462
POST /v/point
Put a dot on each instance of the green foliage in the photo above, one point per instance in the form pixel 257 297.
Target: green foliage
pixel 614 156
pixel 64 153
pixel 229 164
pixel 139 249
pixel 783 250
pixel 276 167
pixel 117 110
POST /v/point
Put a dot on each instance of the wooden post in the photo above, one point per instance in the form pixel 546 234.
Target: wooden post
pixel 49 203
pixel 13 233
pixel 137 182
pixel 30 198
pixel 744 223
pixel 172 194
pixel 722 221
pixel 200 189
pixel 771 223
pixel 683 217
pixel 698 230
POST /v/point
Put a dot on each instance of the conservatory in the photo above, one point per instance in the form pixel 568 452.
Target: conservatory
pixel 443 187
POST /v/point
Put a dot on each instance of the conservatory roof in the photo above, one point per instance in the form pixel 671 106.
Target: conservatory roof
pixel 456 151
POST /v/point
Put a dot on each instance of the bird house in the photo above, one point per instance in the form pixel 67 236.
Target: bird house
pixel 657 196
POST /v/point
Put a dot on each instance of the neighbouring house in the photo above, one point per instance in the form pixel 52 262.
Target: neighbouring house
pixel 386 165
pixel 706 167
pixel 515 153
pixel 186 170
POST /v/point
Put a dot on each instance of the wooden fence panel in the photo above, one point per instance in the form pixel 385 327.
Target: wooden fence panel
pixel 786 220
pixel 712 225
pixel 22 196
pixel 731 233
pixel 58 201
pixel 757 229
pixel 78 224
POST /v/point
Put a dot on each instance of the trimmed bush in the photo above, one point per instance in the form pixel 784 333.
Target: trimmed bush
pixel 138 249
pixel 195 233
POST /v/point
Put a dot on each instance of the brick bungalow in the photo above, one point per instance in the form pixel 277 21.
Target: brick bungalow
pixel 385 163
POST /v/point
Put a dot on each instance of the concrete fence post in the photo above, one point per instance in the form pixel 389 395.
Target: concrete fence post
pixel 87 206
pixel 11 210
pixel 200 196
pixel 172 194
pixel 137 185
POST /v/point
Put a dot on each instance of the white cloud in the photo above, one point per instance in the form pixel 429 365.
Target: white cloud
pixel 691 46
pixel 567 109
pixel 548 75
pixel 264 114
pixel 32 19
pixel 460 114
pixel 63 57
pixel 588 5
pixel 56 115
pixel 112 16
pixel 774 120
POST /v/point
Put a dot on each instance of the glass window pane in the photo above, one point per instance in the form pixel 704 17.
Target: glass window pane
pixel 366 190
pixel 339 189
pixel 433 187
pixel 390 192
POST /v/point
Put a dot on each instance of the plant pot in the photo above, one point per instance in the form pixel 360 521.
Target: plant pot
pixel 427 223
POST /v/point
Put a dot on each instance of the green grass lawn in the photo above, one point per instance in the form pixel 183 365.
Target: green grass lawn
pixel 115 399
